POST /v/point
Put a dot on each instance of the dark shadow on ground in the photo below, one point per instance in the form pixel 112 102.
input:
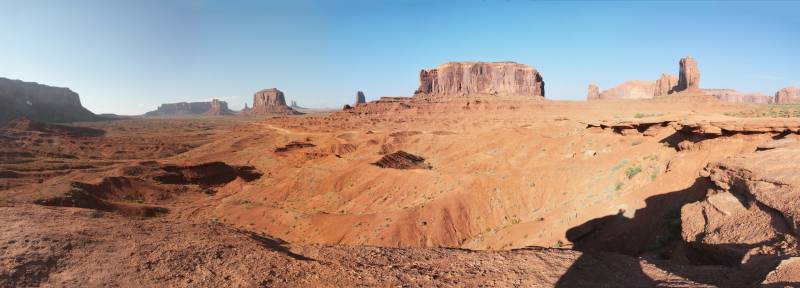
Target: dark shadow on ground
pixel 278 245
pixel 654 232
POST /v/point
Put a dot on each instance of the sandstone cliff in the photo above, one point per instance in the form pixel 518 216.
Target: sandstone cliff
pixel 472 78
pixel 632 89
pixel 788 95
pixel 594 92
pixel 218 108
pixel 665 85
pixel 689 78
pixel 730 95
pixel 191 108
pixel 269 102
pixel 41 103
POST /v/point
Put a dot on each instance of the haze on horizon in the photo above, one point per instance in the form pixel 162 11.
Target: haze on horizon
pixel 128 57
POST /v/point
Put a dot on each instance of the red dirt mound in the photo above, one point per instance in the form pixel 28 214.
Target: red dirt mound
pixel 207 174
pixel 294 145
pixel 403 160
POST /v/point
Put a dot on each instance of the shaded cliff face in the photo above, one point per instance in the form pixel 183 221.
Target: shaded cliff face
pixel 496 78
pixel 40 103
pixel 360 98
pixel 788 95
pixel 269 102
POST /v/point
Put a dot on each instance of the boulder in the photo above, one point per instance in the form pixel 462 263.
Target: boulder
pixel 360 98
pixel 457 79
pixel 594 92
pixel 788 95
pixel 689 77
pixel 665 85
pixel 40 103
pixel 270 102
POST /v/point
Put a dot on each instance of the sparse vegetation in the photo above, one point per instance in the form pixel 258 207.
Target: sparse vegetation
pixel 632 171
pixel 617 186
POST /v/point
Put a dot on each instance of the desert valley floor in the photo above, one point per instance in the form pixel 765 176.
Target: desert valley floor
pixel 675 191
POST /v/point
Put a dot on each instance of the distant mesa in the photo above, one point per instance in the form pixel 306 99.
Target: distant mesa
pixel 788 95
pixel 360 98
pixel 218 108
pixel 41 103
pixel 731 95
pixel 688 80
pixel 214 107
pixel 269 102
pixel 455 79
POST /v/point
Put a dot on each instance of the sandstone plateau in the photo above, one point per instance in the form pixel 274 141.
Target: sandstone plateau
pixel 214 108
pixel 456 79
pixel 788 95
pixel 39 102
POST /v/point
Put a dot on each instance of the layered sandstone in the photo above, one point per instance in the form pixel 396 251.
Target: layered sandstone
pixel 788 95
pixel 594 92
pixel 270 102
pixel 455 79
pixel 214 107
pixel 218 108
pixel 360 98
pixel 665 85
pixel 632 89
pixel 41 103
pixel 730 95
pixel 689 78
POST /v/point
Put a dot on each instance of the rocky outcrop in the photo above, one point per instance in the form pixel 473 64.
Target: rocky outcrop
pixel 360 98
pixel 788 95
pixel 191 109
pixel 41 103
pixel 218 108
pixel 270 102
pixel 665 85
pixel 730 95
pixel 594 92
pixel 456 79
pixel 688 80
pixel 633 89
pixel 689 77
pixel 754 214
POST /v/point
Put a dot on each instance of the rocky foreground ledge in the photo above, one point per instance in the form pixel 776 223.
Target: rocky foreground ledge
pixel 752 218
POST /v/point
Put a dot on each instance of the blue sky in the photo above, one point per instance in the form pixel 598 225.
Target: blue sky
pixel 127 57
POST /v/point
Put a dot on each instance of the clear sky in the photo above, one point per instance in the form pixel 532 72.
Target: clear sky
pixel 127 57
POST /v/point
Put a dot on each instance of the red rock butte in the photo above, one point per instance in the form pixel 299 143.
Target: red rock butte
pixel 269 102
pixel 455 79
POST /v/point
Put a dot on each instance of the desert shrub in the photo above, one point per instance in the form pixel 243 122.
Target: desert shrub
pixel 632 171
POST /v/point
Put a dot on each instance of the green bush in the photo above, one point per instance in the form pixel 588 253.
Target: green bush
pixel 632 171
